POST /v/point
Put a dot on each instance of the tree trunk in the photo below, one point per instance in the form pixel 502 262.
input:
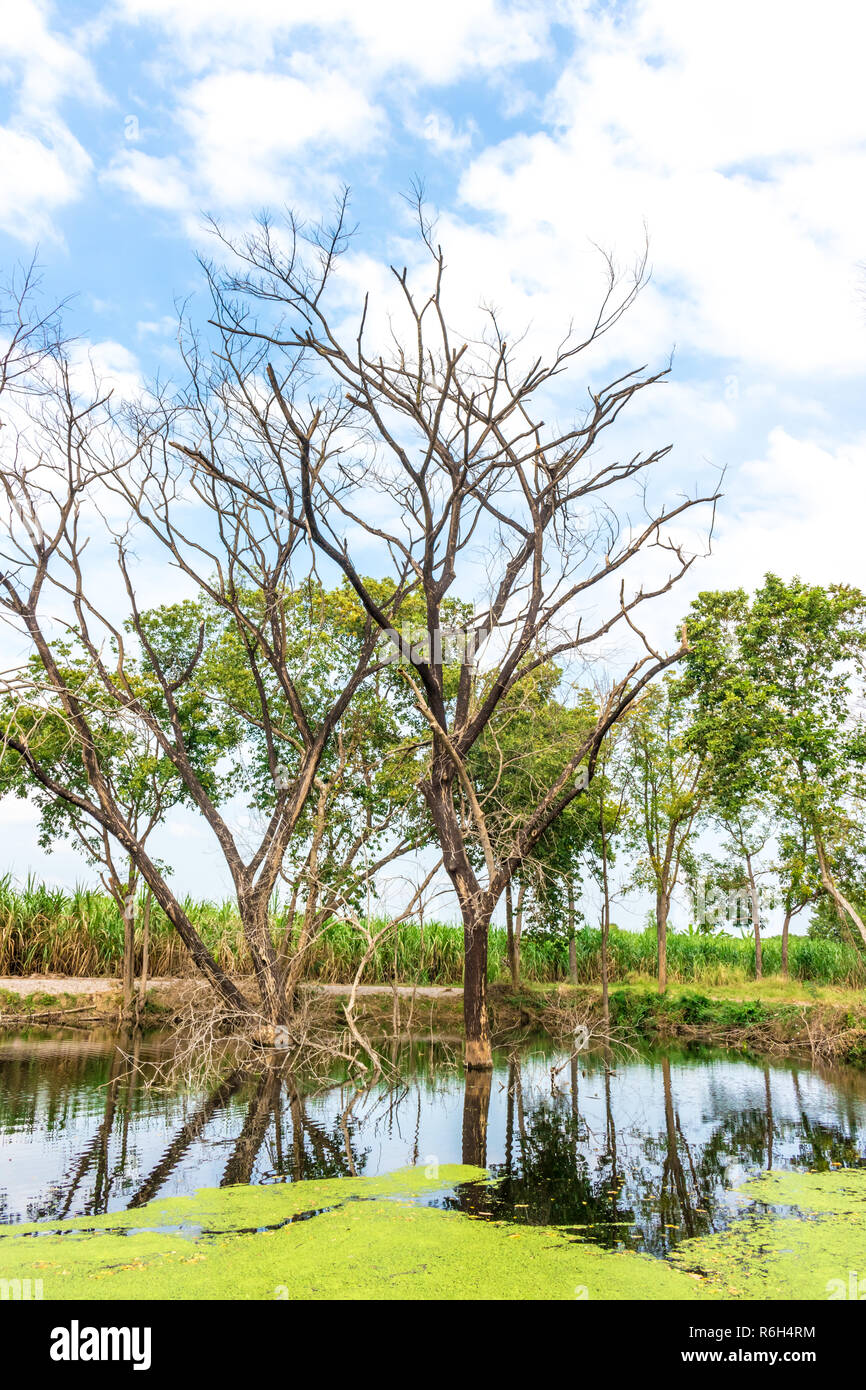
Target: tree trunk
pixel 129 957
pixel 756 918
pixel 518 932
pixel 605 993
pixel 145 956
pixel 509 932
pixel 572 946
pixel 199 953
pixel 479 1054
pixel 269 976
pixel 295 969
pixel 662 909
pixel 605 930
pixel 785 925
pixel 835 892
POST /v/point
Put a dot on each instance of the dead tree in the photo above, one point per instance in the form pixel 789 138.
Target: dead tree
pixel 72 464
pixel 433 447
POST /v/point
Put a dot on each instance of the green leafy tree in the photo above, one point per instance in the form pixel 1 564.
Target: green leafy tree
pixel 669 784
pixel 773 680
pixel 41 752
pixel 532 733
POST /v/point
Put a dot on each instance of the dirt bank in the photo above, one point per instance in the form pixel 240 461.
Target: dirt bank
pixel 771 1017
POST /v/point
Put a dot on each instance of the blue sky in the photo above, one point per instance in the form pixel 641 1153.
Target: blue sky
pixel 735 133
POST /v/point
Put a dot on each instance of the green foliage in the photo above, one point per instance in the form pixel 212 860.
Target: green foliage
pixel 669 780
pixel 46 930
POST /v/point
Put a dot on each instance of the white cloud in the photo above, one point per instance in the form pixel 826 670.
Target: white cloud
pixel 159 182
pixel 739 134
pixel 113 366
pixel 243 126
pixel 249 139
pixel 43 167
pixel 39 174
pixel 784 515
pixel 47 67
pixel 436 43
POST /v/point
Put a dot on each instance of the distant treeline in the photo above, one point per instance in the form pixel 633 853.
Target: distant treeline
pixel 49 931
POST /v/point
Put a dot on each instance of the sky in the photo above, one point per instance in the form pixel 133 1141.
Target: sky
pixel 732 135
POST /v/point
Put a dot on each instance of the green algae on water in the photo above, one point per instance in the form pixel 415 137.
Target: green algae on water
pixel 374 1238
pixel 369 1239
pixel 773 1256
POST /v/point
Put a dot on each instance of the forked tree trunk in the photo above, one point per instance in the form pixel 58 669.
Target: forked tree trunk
pixel 266 965
pixel 785 926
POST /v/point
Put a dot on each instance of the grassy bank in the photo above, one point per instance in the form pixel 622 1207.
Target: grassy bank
pixel 49 931
pixel 826 1023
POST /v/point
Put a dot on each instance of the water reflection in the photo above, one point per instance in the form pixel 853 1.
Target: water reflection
pixel 635 1152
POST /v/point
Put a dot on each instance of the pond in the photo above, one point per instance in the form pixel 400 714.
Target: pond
pixel 638 1152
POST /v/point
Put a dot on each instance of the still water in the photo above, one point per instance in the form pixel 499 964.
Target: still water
pixel 638 1154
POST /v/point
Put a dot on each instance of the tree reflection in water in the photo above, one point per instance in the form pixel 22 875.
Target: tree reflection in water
pixel 637 1151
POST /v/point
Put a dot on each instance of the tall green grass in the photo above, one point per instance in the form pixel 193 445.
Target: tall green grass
pixel 48 931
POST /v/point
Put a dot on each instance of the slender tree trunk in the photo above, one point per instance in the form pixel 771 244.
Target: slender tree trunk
pixel 605 990
pixel 756 918
pixel 199 953
pixel 296 964
pixel 476 1022
pixel 605 930
pixel 835 892
pixel 475 911
pixel 509 933
pixel 572 945
pixel 785 926
pixel 662 909
pixel 518 932
pixel 145 955
pixel 129 957
pixel 310 923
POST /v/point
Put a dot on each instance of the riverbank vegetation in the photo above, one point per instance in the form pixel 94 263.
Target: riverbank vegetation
pixel 81 933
